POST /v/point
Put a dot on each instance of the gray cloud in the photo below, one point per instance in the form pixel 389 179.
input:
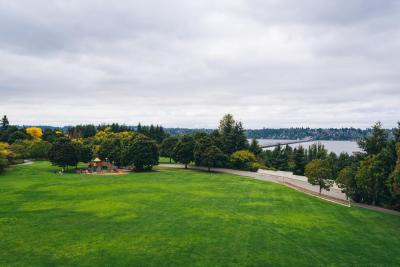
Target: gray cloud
pixel 186 63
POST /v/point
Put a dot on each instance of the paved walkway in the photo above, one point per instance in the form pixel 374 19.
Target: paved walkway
pixel 26 162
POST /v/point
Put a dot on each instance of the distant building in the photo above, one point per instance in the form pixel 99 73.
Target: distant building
pixel 98 165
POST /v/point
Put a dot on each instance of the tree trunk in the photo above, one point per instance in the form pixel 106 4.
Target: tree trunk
pixel 320 189
pixel 186 166
pixel 170 160
pixel 209 169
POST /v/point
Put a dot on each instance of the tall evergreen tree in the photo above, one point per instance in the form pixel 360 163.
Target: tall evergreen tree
pixel 395 180
pixel 255 147
pixel 4 122
pixel 239 137
pixel 226 129
pixel 299 160
pixel 376 142
pixel 396 133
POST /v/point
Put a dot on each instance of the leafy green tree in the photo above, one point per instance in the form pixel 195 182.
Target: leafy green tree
pixel 18 135
pixel 213 157
pixel 111 149
pixel 206 153
pixel 167 147
pixel 142 153
pixel 86 150
pixel 255 147
pixel 244 160
pixel 371 180
pixel 184 150
pixel 202 142
pixel 40 150
pixel 319 173
pixel 51 135
pixel 63 153
pixel 346 181
pixel 111 145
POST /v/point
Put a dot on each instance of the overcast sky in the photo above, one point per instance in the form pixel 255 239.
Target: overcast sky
pixel 271 63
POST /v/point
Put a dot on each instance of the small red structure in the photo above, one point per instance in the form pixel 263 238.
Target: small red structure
pixel 98 165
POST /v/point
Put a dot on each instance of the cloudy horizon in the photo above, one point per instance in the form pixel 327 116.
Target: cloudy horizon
pixel 186 63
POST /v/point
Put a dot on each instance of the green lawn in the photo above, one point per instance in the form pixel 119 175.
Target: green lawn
pixel 181 218
pixel 164 160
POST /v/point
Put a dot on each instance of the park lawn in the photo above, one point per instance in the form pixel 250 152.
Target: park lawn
pixel 181 218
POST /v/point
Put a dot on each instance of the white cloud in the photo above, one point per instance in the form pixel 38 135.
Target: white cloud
pixel 184 63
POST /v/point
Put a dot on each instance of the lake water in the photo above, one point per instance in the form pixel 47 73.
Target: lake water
pixel 332 146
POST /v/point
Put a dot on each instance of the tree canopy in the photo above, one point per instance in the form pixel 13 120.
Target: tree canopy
pixel 319 173
pixel 63 153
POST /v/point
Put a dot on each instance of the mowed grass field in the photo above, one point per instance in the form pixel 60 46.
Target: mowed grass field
pixel 181 218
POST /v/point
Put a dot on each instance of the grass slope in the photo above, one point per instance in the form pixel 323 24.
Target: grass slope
pixel 181 218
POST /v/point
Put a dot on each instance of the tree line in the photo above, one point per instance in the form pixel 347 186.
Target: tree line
pixel 291 133
pixel 138 147
pixel 225 147
pixel 123 145
pixel 314 133
pixel 371 176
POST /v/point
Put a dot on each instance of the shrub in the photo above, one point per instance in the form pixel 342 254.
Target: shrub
pixel 40 150
pixel 244 160
pixel 254 166
pixel 22 148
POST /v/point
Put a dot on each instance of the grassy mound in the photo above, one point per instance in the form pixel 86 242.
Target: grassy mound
pixel 181 218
